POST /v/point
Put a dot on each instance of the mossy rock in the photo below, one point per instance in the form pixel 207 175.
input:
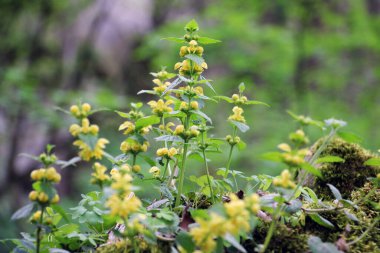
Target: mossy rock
pixel 347 176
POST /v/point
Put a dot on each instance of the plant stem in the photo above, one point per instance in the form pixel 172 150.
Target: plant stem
pixel 271 229
pixel 207 171
pixel 229 161
pixel 166 168
pixel 182 174
pixel 39 230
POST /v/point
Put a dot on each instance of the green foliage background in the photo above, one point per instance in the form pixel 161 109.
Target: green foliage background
pixel 320 58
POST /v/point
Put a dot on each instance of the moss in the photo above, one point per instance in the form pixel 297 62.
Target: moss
pixel 285 239
pixel 346 176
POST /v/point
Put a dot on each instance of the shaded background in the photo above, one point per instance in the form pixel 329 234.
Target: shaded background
pixel 316 57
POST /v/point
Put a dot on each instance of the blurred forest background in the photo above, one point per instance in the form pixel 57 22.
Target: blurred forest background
pixel 315 57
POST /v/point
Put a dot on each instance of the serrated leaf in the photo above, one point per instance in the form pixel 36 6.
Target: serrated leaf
pixel 321 221
pixel 174 84
pixel 174 39
pixel 192 25
pixel 241 126
pixel 317 246
pixel 147 121
pixel 169 138
pixel 206 40
pixel 208 83
pixel 311 169
pixel 61 211
pixel 330 159
pixel 375 161
pixel 195 58
pixel 203 115
pixel 231 239
pixel 23 212
pixel 335 192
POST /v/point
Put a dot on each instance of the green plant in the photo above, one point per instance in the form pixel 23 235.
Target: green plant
pixel 223 215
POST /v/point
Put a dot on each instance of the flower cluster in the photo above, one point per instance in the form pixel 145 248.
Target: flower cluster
pixel 123 202
pixel 187 67
pixel 284 180
pixel 49 176
pixel 238 213
pixel 99 175
pixel 186 135
pixel 88 142
pixel 237 114
pixel 167 153
pixel 239 99
pixel 160 107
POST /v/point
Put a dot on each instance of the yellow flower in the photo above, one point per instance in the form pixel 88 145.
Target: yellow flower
pixel 36 216
pixel 284 147
pixel 155 171
pixel 198 90
pixel 128 126
pixel 194 105
pixel 253 203
pixel 43 197
pixel 179 129
pixel 238 216
pixel 172 152
pixel 33 195
pixel 37 175
pixel 194 131
pixel 183 106
pixel 136 168
pixel 99 176
pixel 237 116
pixel 121 182
pixel 86 153
pixel 74 109
pixel 75 130
pixel 160 107
pixel 86 107
pixel 284 180
pixel 123 206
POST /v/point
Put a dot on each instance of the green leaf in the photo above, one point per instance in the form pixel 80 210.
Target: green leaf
pixel 312 194
pixel 330 159
pixel 272 156
pixel 174 39
pixel 55 250
pixel 317 246
pixel 335 191
pixel 169 138
pixel 23 212
pixel 351 216
pixel 147 121
pixel 228 99
pixel 192 26
pixel 242 127
pixel 206 40
pixel 321 221
pixel 195 58
pixel 137 105
pixel 68 163
pixel 294 206
pixel 148 160
pixel 89 139
pixel 207 83
pixel 61 211
pixel 255 102
pixel 375 161
pixel 311 169
pixel 186 241
pixel 231 239
pixel 174 84
pixel 241 87
pixel 203 115
pixel 123 114
pixel 349 137
pixel 152 92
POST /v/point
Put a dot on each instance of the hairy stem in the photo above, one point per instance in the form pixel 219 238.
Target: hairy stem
pixel 207 170
pixel 182 174
pixel 39 230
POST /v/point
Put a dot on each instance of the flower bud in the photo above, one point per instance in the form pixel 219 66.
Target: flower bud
pixel 50 173
pixel 235 97
pixel 55 199
pixel 43 197
pixel 193 43
pixel 177 65
pixel 155 171
pixel 33 195
pixel 183 51
pixel 172 152
pixel 86 108
pixel 94 129
pixel 194 105
pixel 179 130
pixel 136 168
pixel 36 216
pixel 74 109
